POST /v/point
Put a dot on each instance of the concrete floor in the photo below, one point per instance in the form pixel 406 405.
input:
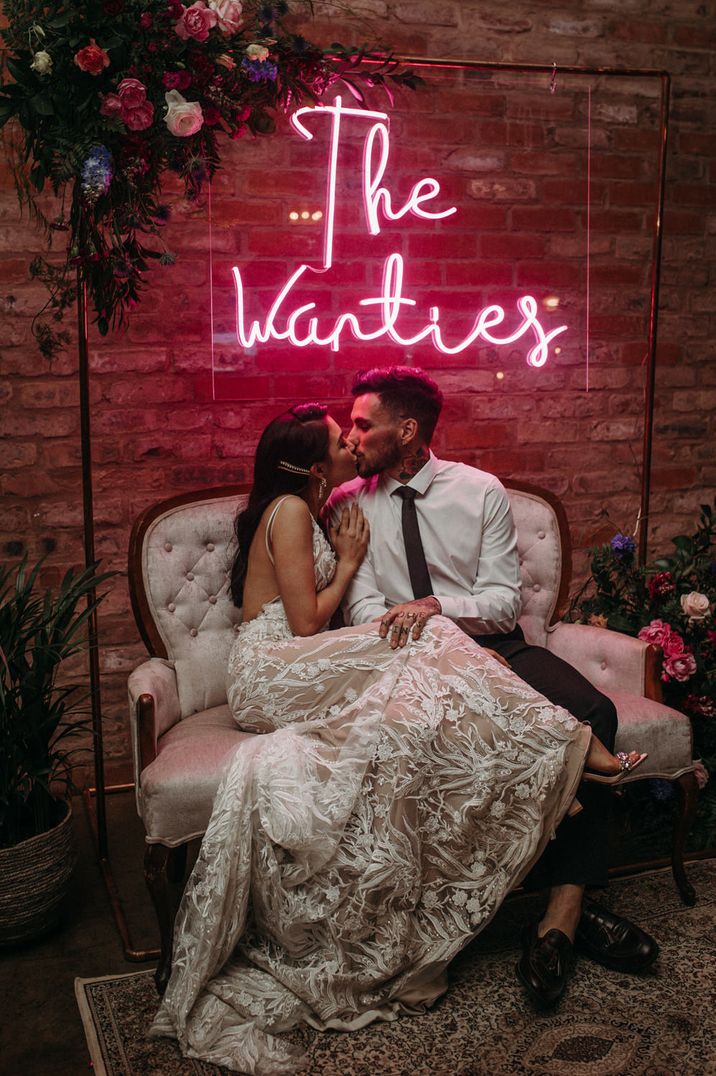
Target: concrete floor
pixel 40 1029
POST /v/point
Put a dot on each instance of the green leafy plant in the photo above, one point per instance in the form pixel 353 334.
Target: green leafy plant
pixel 40 719
pixel 670 602
pixel 109 94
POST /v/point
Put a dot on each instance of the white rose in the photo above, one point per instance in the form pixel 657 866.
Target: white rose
pixel 229 14
pixel 183 117
pixel 42 63
pixel 257 52
pixel 695 606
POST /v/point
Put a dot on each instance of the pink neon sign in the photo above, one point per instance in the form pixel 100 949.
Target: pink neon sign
pixel 301 328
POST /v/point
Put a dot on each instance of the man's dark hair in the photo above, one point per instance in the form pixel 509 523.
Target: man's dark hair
pixel 406 392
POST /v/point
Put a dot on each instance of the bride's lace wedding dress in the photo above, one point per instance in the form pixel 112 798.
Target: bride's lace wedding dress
pixel 392 800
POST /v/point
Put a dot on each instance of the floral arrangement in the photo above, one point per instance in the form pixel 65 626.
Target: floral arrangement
pixel 111 93
pixel 670 602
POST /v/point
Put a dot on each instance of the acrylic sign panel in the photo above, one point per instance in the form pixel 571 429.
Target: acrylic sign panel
pixel 492 231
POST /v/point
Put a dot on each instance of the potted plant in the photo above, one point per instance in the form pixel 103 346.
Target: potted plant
pixel 40 721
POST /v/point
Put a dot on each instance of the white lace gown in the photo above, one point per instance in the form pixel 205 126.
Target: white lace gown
pixel 390 803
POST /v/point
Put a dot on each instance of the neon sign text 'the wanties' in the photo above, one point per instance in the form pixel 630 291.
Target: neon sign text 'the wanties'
pixel 300 327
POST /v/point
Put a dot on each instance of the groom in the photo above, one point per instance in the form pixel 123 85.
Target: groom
pixel 443 541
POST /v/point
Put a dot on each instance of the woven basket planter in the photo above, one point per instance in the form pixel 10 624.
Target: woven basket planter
pixel 34 876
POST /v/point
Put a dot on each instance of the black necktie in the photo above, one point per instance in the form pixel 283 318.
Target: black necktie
pixel 414 552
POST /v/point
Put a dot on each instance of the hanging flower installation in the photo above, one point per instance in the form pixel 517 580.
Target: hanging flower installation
pixel 111 94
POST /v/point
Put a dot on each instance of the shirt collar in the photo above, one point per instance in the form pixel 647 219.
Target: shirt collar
pixel 420 482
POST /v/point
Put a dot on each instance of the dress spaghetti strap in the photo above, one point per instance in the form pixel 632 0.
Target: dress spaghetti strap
pixel 269 527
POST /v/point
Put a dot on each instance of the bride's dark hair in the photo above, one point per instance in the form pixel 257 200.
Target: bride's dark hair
pixel 298 437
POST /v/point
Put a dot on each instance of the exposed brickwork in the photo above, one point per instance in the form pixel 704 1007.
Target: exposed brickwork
pixel 157 429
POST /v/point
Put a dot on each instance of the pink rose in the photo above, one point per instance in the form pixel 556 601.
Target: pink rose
pixel 132 92
pixel 111 106
pixel 183 118
pixel 679 667
pixel 228 13
pixel 656 632
pixel 92 58
pixel 139 118
pixel 196 21
pixel 134 110
pixel 674 645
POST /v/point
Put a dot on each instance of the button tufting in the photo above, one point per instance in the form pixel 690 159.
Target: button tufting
pixel 603 665
pixel 541 534
pixel 212 599
pixel 193 633
pixel 168 546
pixel 171 607
pixel 190 576
pixel 210 546
pixel 536 587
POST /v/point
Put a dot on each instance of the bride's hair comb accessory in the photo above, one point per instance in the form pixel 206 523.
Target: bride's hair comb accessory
pixel 292 468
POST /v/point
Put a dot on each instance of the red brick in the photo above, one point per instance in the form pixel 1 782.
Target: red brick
pixel 477 273
pixel 544 164
pixel 17 454
pixel 696 142
pixel 543 220
pixel 701 194
pixel 512 246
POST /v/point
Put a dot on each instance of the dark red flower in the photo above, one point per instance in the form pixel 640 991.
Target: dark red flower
pixel 212 116
pixel 145 20
pixel 660 585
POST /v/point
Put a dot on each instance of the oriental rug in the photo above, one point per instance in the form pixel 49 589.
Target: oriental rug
pixel 608 1024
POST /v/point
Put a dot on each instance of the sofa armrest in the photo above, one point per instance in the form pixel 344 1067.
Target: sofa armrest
pixel 609 659
pixel 153 708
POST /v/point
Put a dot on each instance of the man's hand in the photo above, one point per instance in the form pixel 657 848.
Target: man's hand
pixel 407 618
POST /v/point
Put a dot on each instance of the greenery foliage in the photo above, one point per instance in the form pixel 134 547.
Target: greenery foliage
pixel 39 718
pixel 111 93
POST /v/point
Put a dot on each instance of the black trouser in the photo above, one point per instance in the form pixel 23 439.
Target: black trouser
pixel 578 854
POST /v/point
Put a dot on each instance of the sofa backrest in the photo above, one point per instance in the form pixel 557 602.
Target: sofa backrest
pixel 180 554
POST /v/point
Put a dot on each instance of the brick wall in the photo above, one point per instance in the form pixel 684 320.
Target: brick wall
pixel 157 429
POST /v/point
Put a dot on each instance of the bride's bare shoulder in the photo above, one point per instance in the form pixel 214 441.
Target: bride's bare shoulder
pixel 287 512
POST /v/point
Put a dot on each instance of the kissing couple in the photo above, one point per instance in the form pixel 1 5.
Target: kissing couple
pixel 411 768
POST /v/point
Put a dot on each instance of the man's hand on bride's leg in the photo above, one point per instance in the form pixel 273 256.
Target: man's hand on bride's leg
pixel 406 619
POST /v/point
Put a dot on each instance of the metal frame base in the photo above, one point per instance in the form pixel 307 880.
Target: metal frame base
pixel 131 954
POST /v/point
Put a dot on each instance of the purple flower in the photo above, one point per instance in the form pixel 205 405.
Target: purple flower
pixel 97 173
pixel 623 546
pixel 259 70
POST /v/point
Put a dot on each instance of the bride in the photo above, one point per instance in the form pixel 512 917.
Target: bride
pixel 392 800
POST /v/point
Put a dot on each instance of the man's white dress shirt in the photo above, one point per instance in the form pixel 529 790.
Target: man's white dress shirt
pixel 469 540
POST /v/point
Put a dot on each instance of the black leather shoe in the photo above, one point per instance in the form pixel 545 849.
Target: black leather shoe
pixel 544 965
pixel 612 941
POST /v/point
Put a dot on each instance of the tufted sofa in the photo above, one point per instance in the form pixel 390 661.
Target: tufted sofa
pixel 183 733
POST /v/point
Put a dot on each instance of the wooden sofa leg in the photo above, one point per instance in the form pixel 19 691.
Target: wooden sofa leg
pixel 686 789
pixel 160 868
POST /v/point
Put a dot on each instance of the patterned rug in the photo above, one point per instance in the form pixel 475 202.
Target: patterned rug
pixel 608 1024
